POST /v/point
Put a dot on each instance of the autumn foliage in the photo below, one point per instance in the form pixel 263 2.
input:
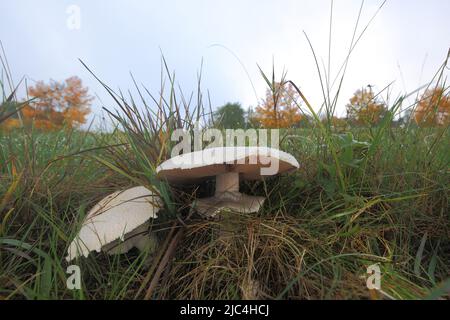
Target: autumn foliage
pixel 55 105
pixel 280 108
pixel 433 108
pixel 365 109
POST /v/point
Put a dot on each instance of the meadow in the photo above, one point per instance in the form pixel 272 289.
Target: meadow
pixel 362 196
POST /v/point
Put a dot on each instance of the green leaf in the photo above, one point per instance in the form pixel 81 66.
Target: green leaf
pixel 419 255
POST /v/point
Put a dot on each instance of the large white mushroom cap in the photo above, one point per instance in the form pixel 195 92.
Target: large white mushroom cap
pixel 253 163
pixel 112 218
pixel 229 165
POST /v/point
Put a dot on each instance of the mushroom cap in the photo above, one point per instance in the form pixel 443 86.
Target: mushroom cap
pixel 253 163
pixel 114 216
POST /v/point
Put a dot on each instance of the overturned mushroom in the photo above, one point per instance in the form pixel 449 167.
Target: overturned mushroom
pixel 229 165
pixel 118 223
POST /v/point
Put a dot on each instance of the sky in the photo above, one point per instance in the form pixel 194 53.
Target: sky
pixel 405 43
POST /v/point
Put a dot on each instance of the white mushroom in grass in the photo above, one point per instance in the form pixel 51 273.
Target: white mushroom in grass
pixel 229 165
pixel 118 223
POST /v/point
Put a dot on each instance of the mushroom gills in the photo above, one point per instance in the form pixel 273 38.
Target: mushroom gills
pixel 117 223
pixel 139 238
pixel 227 196
pixel 226 163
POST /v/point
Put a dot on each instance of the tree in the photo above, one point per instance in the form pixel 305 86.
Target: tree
pixel 55 105
pixel 433 108
pixel 365 109
pixel 251 120
pixel 230 116
pixel 280 108
pixel 9 114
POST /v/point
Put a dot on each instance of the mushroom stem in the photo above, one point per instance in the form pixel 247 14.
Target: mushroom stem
pixel 227 182
pixel 227 195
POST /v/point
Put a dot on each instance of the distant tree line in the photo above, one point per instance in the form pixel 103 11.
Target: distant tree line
pixel 282 108
pixel 54 105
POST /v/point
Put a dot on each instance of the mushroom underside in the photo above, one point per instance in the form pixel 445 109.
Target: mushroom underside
pixel 227 196
pixel 139 238
pixel 227 164
pixel 117 223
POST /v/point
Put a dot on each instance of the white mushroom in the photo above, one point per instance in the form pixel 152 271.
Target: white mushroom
pixel 228 165
pixel 117 223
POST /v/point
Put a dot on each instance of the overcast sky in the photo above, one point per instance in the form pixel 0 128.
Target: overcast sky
pixel 406 43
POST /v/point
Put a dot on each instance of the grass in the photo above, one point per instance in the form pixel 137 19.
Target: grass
pixel 363 196
pixel 313 239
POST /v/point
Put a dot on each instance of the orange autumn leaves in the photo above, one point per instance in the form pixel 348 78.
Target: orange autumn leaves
pixel 364 108
pixel 433 108
pixel 55 105
pixel 280 108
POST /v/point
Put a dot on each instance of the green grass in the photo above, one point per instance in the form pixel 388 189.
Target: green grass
pixel 363 195
pixel 312 240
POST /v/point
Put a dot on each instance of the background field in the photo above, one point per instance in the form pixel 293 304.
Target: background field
pixel 349 206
